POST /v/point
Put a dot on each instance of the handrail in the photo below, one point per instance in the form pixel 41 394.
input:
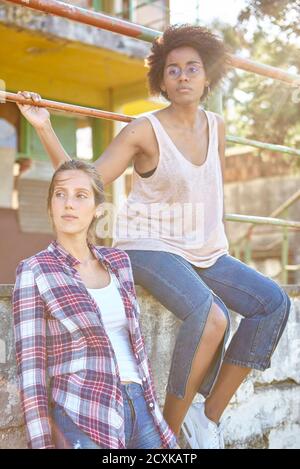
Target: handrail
pixel 143 33
pixel 263 145
pixel 284 206
pixel 73 108
pixel 263 220
pixel 92 112
pixel 284 224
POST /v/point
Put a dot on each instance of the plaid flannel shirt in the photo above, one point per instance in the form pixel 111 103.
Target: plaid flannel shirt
pixel 59 332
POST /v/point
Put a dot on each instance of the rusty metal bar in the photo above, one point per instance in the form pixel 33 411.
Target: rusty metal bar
pixel 92 112
pixel 90 17
pixel 143 33
pixel 83 111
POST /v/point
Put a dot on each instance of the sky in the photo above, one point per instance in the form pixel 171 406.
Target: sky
pixel 185 11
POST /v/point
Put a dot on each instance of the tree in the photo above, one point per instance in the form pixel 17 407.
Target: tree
pixel 265 109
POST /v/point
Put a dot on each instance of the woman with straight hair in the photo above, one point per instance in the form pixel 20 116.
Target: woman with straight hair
pixel 76 321
pixel 172 227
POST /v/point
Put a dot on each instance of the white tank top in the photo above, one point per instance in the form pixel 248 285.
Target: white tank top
pixel 179 208
pixel 116 326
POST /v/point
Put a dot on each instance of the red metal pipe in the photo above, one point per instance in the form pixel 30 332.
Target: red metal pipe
pixel 92 18
pixel 92 112
pixel 83 111
pixel 127 28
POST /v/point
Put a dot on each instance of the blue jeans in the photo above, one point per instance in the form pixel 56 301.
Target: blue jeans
pixel 189 291
pixel 140 430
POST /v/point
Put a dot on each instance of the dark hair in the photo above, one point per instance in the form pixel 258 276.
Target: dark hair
pixel 210 48
pixel 95 178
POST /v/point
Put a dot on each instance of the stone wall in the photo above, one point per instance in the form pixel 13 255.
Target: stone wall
pixel 264 413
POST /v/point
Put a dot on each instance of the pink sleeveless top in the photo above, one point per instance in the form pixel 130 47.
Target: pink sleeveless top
pixel 179 209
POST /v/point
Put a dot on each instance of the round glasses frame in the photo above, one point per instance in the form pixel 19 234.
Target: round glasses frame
pixel 192 70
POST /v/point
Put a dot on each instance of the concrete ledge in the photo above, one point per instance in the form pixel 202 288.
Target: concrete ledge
pixel 264 413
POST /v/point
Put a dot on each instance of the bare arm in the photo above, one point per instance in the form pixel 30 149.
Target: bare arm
pixel 40 119
pixel 114 160
pixel 124 148
pixel 52 144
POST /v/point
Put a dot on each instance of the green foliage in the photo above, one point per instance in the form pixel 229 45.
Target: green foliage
pixel 256 107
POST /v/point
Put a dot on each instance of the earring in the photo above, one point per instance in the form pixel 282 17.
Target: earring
pixel 208 89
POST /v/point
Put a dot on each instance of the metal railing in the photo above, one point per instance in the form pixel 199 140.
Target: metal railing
pixel 263 145
pixel 98 113
pixel 243 244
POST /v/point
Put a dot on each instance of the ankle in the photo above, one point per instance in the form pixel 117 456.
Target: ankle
pixel 211 413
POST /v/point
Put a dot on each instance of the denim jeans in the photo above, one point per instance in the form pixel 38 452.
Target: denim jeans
pixel 189 291
pixel 140 430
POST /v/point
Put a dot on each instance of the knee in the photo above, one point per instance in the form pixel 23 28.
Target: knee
pixel 217 319
pixel 277 300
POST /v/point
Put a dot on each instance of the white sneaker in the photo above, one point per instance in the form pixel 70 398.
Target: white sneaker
pixel 200 431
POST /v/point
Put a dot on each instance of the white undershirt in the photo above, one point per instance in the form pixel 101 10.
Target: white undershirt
pixel 115 323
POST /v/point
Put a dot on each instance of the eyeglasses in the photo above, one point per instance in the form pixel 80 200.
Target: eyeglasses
pixel 190 71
